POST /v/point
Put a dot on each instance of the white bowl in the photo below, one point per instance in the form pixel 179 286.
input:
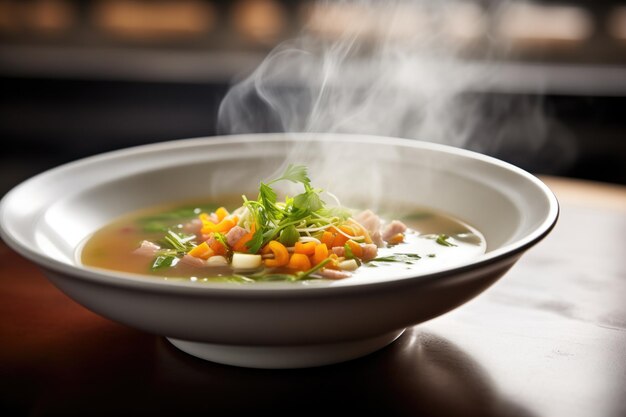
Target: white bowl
pixel 277 325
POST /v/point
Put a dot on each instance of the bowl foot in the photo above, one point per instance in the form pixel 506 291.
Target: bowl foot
pixel 285 357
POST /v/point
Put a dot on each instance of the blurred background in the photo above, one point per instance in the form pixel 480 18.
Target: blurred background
pixel 81 77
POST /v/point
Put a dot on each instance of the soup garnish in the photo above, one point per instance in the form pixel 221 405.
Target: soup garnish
pixel 267 239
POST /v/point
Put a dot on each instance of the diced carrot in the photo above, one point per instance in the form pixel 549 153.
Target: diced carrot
pixel 395 239
pixel 281 255
pixel 299 262
pixel 306 248
pixel 321 253
pixel 240 246
pixel 221 227
pixel 334 262
pixel 218 247
pixel 202 251
pixel 221 213
pixel 356 249
pixel 341 238
pixel 328 239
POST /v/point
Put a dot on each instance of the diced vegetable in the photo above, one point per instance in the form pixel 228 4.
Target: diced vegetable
pixel 281 255
pixel 396 239
pixel 355 249
pixel 321 253
pixel 217 260
pixel 202 251
pixel 299 262
pixel 221 213
pixel 289 236
pixel 306 248
pixel 328 238
pixel 242 244
pixel 348 265
pixel 223 226
pixel 245 261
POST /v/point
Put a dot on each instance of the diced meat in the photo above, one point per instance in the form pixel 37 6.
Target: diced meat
pixel 193 261
pixel 377 239
pixel 209 239
pixel 393 229
pixel 235 234
pixel 147 249
pixel 193 227
pixel 213 217
pixel 371 222
pixel 334 274
pixel 339 250
pixel 370 251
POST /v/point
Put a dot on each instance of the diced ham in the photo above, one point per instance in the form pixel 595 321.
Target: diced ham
pixel 234 235
pixel 193 227
pixel 209 239
pixel 377 239
pixel 371 222
pixel 147 249
pixel 193 261
pixel 334 274
pixel 370 251
pixel 339 250
pixel 393 229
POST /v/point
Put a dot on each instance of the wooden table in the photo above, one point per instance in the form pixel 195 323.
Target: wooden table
pixel 549 339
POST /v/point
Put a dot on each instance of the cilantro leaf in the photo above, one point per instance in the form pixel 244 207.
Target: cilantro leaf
pixel 256 242
pixel 178 241
pixel 398 257
pixel 164 261
pixel 443 240
pixel 309 201
pixel 294 173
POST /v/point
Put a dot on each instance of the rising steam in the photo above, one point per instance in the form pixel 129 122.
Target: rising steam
pixel 392 68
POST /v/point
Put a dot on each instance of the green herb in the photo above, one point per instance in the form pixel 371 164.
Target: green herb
pixel 164 261
pixel 442 239
pixel 431 255
pixel 303 214
pixel 177 245
pixel 220 237
pixel 348 252
pixel 398 257
pixel 294 173
pixel 289 236
pixel 256 242
pixel 307 274
pixel 179 242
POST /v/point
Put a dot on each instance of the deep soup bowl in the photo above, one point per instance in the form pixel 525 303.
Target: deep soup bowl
pixel 277 325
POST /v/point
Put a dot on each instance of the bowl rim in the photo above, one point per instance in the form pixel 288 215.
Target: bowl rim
pixel 508 252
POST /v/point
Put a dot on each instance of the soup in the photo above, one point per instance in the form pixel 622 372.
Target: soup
pixel 298 239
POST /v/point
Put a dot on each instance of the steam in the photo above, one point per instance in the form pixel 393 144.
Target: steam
pixel 392 68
